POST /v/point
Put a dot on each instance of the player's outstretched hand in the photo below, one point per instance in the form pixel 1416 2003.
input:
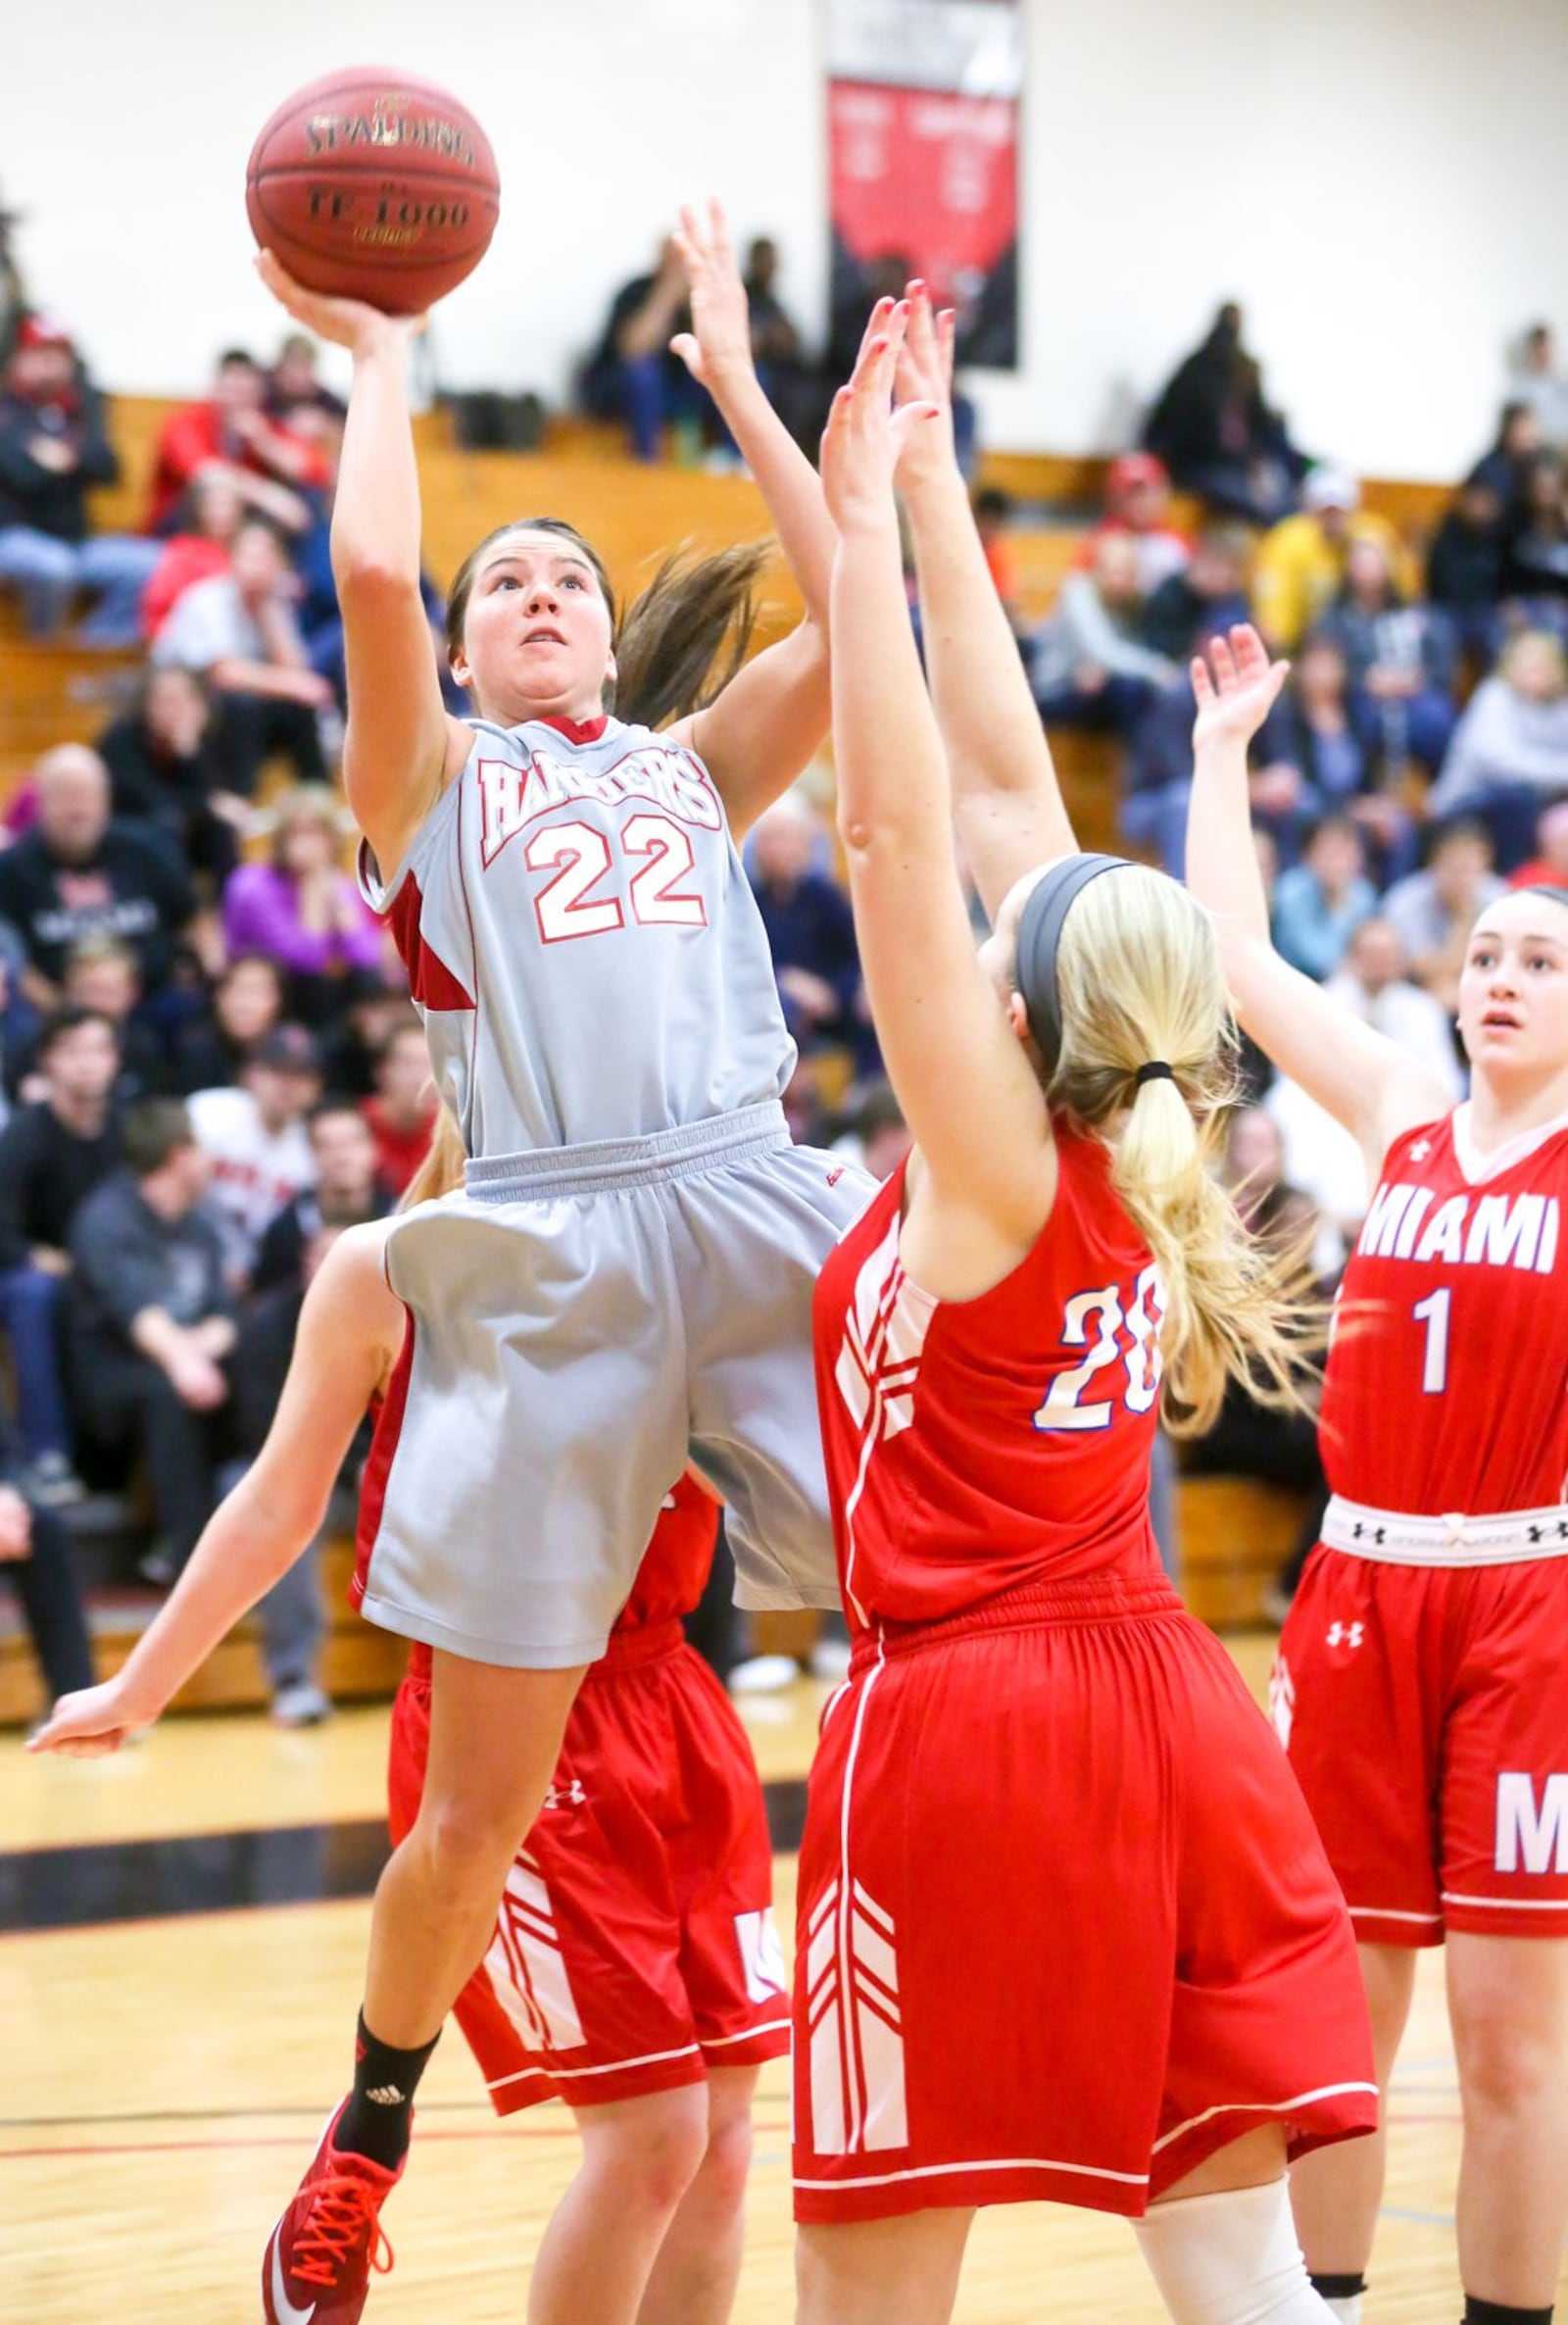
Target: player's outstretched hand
pixel 86 1726
pixel 719 341
pixel 864 433
pixel 1235 685
pixel 346 322
pixel 924 375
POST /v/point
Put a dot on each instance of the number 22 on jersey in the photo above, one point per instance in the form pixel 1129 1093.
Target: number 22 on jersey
pixel 574 905
pixel 1119 1333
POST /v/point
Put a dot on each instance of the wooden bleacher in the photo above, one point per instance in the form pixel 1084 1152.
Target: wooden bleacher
pixel 1235 1534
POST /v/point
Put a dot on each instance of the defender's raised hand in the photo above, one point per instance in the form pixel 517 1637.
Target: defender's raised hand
pixel 866 433
pixel 924 375
pixel 1236 687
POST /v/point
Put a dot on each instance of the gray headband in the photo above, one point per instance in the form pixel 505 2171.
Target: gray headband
pixel 1040 926
pixel 1544 888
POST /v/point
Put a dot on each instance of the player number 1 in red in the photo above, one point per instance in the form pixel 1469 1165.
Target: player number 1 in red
pixel 1434 1313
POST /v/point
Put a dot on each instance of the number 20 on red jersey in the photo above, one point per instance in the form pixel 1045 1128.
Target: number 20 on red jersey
pixel 1118 1326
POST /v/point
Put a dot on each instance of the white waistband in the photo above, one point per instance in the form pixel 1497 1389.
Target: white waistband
pixel 1502 1538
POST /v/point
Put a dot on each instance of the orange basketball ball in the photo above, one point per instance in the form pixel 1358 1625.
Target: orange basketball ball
pixel 374 185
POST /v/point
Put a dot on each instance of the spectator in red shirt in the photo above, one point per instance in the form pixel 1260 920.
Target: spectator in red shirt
pixel 231 427
pixel 402 1113
pixel 1548 867
pixel 216 509
pixel 1138 508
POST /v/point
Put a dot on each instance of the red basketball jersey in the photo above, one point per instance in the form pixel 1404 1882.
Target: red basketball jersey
pixel 674 1569
pixel 984 1445
pixel 1445 1380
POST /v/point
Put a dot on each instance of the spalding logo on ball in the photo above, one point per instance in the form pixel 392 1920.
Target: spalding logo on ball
pixel 374 186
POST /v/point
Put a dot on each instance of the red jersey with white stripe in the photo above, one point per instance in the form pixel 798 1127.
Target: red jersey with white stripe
pixel 670 1579
pixel 981 1445
pixel 1446 1382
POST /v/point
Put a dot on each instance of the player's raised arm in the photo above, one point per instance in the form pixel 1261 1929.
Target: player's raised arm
pixel 1006 803
pixel 402 747
pixel 765 725
pixel 350 1328
pixel 1366 1081
pixel 718 352
pixel 969 1091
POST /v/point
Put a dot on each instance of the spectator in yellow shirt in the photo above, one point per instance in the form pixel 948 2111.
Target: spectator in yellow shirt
pixel 1300 567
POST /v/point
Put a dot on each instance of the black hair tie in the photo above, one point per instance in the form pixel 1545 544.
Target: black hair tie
pixel 1156 1070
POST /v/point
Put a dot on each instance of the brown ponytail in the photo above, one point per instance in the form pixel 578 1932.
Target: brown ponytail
pixel 677 644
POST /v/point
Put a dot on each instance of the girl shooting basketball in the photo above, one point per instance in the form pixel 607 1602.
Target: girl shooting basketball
pixel 637 1231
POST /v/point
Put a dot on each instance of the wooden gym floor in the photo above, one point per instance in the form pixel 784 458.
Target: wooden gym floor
pixel 177 2017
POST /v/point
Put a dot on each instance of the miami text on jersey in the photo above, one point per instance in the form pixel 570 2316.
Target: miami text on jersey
pixel 1465 1230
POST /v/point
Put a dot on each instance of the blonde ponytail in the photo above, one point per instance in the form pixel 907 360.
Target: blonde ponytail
pixel 441 1171
pixel 1139 979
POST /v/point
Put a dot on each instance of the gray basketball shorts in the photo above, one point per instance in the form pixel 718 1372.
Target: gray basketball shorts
pixel 583 1320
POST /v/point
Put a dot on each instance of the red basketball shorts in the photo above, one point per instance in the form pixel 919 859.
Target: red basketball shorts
pixel 1425 1713
pixel 1065 1926
pixel 635 1946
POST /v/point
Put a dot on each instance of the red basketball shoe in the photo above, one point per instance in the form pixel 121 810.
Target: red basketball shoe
pixel 320 2254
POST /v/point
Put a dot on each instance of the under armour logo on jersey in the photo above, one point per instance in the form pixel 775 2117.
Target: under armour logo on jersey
pixel 1362 1532
pixel 1345 1634
pixel 1421 1148
pixel 1555 1533
pixel 565 1796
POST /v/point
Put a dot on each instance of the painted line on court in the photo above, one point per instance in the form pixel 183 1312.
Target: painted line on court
pixel 92 1886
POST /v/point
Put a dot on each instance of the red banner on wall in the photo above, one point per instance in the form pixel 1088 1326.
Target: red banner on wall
pixel 923 162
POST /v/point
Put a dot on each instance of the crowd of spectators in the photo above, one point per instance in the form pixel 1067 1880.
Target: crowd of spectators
pixel 1416 763
pixel 209 1059
pixel 208 1055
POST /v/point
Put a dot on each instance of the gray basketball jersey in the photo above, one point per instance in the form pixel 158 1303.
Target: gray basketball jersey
pixel 582 941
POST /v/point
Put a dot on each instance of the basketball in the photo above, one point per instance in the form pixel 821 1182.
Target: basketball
pixel 371 184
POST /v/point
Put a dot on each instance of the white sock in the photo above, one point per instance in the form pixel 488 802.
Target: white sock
pixel 1347 2307
pixel 1231 2259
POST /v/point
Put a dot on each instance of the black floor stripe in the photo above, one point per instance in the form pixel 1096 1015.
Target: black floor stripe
pixel 84 1888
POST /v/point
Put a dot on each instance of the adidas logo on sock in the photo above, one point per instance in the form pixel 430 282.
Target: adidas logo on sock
pixel 386 2095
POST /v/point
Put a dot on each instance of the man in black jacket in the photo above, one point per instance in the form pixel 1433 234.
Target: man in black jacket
pixel 152 1324
pixel 52 1156
pixel 75 875
pixel 39 1561
pixel 53 446
pixel 347 1192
